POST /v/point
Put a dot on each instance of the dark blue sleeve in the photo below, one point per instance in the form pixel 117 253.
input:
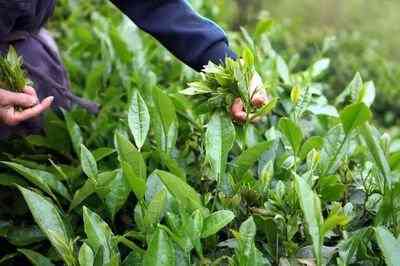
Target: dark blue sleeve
pixel 190 37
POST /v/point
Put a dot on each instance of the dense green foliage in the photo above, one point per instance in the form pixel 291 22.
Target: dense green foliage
pixel 155 179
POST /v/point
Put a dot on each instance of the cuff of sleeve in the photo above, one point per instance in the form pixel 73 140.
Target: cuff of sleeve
pixel 216 54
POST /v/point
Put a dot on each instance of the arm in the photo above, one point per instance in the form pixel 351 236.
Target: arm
pixel 191 38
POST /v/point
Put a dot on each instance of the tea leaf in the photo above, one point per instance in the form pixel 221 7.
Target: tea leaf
pixel 354 116
pixel 292 132
pixel 86 256
pixel 186 195
pixel 139 119
pixel 88 162
pixel 215 222
pixel 311 206
pixel 389 245
pixel 100 236
pixel 35 258
pixel 161 252
pixel 219 139
pixel 248 158
pixel 51 222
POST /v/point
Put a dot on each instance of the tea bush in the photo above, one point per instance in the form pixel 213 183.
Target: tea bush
pixel 155 179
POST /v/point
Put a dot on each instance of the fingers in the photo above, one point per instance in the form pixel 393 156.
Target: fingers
pixel 259 98
pixel 17 99
pixel 14 118
pixel 237 111
pixel 31 91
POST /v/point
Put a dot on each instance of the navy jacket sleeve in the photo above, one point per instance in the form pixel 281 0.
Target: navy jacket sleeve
pixel 190 37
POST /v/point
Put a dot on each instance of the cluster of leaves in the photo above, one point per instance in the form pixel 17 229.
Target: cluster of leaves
pixel 308 185
pixel 12 75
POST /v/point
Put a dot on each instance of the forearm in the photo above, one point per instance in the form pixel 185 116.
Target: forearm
pixel 190 37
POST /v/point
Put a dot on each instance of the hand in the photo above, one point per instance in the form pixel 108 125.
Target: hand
pixel 28 100
pixel 258 99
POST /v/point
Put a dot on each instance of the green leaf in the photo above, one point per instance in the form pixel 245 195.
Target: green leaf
pixel 35 258
pixel 88 162
pixel 100 236
pixel 82 193
pixel 86 256
pixel 331 188
pixel 43 180
pixel 186 195
pixel 248 57
pixel 215 222
pixel 320 67
pixel 292 132
pixel 161 251
pixel 51 222
pixel 155 209
pixel 74 132
pixel 220 136
pixel 139 119
pixel 311 206
pixel 367 93
pixel 314 142
pixel 101 153
pixel 376 151
pixel 136 183
pixel 354 115
pixel 351 90
pixel 248 158
pixel 389 245
pixel 115 191
pixel 129 154
pixel 283 70
pixel 163 120
pixel 25 236
pixel 333 150
pixel 172 165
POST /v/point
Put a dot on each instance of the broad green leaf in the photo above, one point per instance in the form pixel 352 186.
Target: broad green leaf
pixel 136 183
pixel 283 70
pixel 311 206
pixel 44 180
pixel 320 67
pixel 86 256
pixel 163 120
pixel 155 209
pixel 367 93
pixel 74 132
pixel 51 222
pixel 327 110
pixel 186 195
pixel 161 251
pixel 196 88
pixel 389 245
pixel 336 218
pixel 100 236
pixel 172 165
pixel 101 153
pixel 129 154
pixel 216 221
pixel 376 150
pixel 248 158
pixel 88 162
pixel 292 132
pixel 314 142
pixel 351 90
pixel 219 139
pixel 139 119
pixel 82 193
pixel 331 188
pixel 354 115
pixel 36 258
pixel 10 180
pixel 333 150
pixel 115 192
pixel 25 236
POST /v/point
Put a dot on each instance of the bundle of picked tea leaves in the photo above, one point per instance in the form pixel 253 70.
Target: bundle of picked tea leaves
pixel 219 85
pixel 12 75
